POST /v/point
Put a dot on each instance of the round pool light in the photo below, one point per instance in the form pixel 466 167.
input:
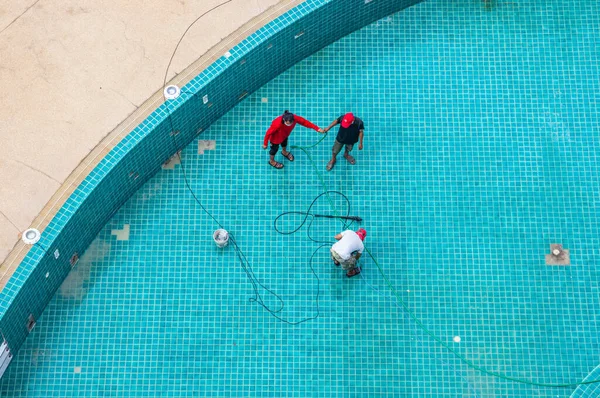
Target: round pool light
pixel 31 236
pixel 172 92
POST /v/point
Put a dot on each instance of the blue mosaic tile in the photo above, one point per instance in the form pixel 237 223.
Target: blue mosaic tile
pixel 480 151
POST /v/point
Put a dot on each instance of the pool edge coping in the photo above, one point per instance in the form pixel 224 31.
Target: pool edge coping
pixel 123 129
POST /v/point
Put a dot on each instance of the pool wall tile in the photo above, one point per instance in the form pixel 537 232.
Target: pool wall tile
pixel 258 59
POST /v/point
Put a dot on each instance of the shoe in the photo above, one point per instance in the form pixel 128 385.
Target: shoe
pixel 330 165
pixel 275 164
pixel 353 272
pixel 349 158
pixel 289 156
pixel 337 264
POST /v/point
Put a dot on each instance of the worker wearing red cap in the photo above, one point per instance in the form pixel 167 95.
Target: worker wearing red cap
pixel 348 249
pixel 278 134
pixel 351 131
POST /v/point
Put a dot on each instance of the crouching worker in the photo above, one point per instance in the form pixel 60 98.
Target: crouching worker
pixel 348 249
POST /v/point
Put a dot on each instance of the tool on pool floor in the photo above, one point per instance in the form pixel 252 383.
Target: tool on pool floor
pixel 221 237
pixel 353 218
pixel 308 215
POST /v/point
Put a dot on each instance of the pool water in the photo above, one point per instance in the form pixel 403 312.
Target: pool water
pixel 480 151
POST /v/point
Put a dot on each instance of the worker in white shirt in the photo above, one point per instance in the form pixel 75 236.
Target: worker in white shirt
pixel 348 249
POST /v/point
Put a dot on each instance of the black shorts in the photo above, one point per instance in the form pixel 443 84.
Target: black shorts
pixel 275 147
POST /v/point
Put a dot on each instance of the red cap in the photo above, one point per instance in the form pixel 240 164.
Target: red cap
pixel 347 120
pixel 362 234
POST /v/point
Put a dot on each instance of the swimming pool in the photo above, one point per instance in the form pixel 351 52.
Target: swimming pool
pixel 480 152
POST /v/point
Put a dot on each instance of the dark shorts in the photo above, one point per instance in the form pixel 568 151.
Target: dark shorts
pixel 337 147
pixel 275 147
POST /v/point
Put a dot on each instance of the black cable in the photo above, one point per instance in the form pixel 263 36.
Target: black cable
pixel 255 282
pixel 42 246
pixel 307 214
pixel 245 264
pixel 185 33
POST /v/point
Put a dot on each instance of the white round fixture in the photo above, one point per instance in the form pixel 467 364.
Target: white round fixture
pixel 172 92
pixel 221 237
pixel 31 236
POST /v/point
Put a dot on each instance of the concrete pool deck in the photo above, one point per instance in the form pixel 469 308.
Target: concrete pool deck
pixel 72 75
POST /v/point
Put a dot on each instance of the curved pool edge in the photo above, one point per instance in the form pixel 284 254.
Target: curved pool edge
pixel 126 159
pixel 76 177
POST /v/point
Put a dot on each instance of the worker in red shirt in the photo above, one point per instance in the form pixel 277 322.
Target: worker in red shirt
pixel 279 132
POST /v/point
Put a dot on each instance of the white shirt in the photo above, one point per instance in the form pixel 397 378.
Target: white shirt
pixel 349 243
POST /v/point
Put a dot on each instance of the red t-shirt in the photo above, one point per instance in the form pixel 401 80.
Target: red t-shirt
pixel 278 131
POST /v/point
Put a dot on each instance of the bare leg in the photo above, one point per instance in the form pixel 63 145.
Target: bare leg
pixel 274 163
pixel 349 157
pixel 331 162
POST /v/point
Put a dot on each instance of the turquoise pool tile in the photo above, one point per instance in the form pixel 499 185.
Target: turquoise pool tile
pixel 481 149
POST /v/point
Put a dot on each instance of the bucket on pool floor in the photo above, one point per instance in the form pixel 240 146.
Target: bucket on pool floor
pixel 221 237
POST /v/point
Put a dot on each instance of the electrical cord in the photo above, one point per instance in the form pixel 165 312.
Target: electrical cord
pixel 183 36
pixel 245 264
pixel 308 214
pixel 243 260
pixel 42 247
pixel 256 283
